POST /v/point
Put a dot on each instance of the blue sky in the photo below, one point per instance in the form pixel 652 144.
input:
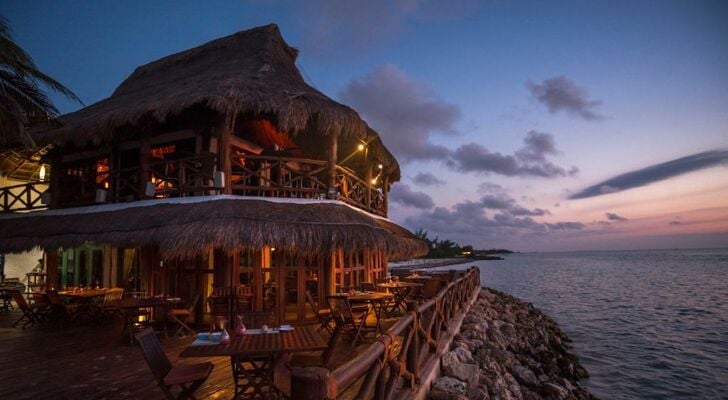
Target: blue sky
pixel 652 74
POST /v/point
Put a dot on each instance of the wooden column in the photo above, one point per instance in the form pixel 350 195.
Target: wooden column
pixel 385 192
pixel 369 185
pixel 145 154
pixel 333 149
pixel 54 186
pixel 51 267
pixel 224 132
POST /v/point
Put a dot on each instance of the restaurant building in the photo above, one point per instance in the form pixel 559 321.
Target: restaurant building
pixel 214 171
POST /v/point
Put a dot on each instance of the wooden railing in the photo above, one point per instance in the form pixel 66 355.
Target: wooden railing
pixel 251 175
pixel 188 176
pixel 26 196
pixel 302 178
pixel 269 176
pixel 391 367
pixel 358 192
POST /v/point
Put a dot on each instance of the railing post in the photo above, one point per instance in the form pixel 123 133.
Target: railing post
pixel 413 353
pixel 311 383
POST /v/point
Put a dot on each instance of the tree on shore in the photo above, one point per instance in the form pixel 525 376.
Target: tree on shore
pixel 22 101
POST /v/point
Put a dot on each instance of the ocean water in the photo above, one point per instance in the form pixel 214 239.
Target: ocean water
pixel 645 324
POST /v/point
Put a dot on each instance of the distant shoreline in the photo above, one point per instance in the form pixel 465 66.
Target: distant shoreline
pixel 435 263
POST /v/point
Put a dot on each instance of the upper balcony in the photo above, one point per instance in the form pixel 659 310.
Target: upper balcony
pixel 251 175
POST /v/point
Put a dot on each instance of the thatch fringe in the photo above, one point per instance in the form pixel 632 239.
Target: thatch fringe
pixel 182 231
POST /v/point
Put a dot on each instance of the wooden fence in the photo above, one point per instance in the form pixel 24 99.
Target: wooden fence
pixel 391 367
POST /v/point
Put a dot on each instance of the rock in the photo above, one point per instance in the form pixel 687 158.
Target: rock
pixel 452 366
pixel 464 354
pixel 508 350
pixel 524 375
pixel 447 388
pixel 553 390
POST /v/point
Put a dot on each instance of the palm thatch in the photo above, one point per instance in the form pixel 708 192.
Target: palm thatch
pixel 250 73
pixel 230 223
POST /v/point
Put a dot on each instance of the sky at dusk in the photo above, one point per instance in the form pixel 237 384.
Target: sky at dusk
pixel 535 126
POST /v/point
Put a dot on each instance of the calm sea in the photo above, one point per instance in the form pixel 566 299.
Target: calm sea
pixel 645 324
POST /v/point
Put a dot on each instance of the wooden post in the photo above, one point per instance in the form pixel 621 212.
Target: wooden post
pixel 224 141
pixel 145 153
pixel 51 267
pixel 310 383
pixel 385 192
pixel 369 186
pixel 333 149
pixel 413 353
pixel 55 187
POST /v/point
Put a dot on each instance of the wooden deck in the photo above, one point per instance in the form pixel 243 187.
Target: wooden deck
pixel 95 362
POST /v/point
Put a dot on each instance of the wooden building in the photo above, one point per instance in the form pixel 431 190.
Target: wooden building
pixel 217 169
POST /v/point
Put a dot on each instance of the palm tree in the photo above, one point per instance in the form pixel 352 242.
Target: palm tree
pixel 22 101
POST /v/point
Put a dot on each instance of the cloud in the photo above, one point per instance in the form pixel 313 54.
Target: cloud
pixel 529 160
pixel 405 112
pixel 470 220
pixel 402 194
pixel 427 179
pixel 615 217
pixel 655 173
pixel 562 94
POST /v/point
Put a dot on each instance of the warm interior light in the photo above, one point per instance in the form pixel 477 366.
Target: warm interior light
pixel 374 181
pixel 42 172
pixel 360 147
pixel 106 185
pixel 272 249
pixel 380 166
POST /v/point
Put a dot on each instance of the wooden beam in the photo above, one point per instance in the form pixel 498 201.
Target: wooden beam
pixel 145 154
pixel 224 130
pixel 332 158
pixel 51 267
pixel 55 186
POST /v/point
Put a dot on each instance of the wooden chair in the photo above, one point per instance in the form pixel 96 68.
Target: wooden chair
pixel 323 316
pixel 368 287
pixel 109 306
pixel 350 318
pixel 187 377
pixel 31 314
pixel 180 316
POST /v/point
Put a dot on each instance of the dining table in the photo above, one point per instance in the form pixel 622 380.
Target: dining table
pixel 377 300
pixel 86 299
pixel 128 305
pixel 258 350
pixel 401 291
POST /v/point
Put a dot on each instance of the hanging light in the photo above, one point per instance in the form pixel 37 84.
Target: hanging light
pixel 374 181
pixel 360 147
pixel 380 166
pixel 42 173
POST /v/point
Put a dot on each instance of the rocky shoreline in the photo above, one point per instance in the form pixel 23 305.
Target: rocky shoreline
pixel 509 350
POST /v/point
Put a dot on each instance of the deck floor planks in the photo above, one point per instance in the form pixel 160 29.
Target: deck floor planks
pixel 92 361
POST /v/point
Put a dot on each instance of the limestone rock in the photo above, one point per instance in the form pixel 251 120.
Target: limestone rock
pixel 448 388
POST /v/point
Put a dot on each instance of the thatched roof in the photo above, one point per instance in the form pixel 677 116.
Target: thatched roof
pixel 184 228
pixel 250 73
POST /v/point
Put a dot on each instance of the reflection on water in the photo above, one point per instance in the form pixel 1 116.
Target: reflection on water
pixel 646 324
